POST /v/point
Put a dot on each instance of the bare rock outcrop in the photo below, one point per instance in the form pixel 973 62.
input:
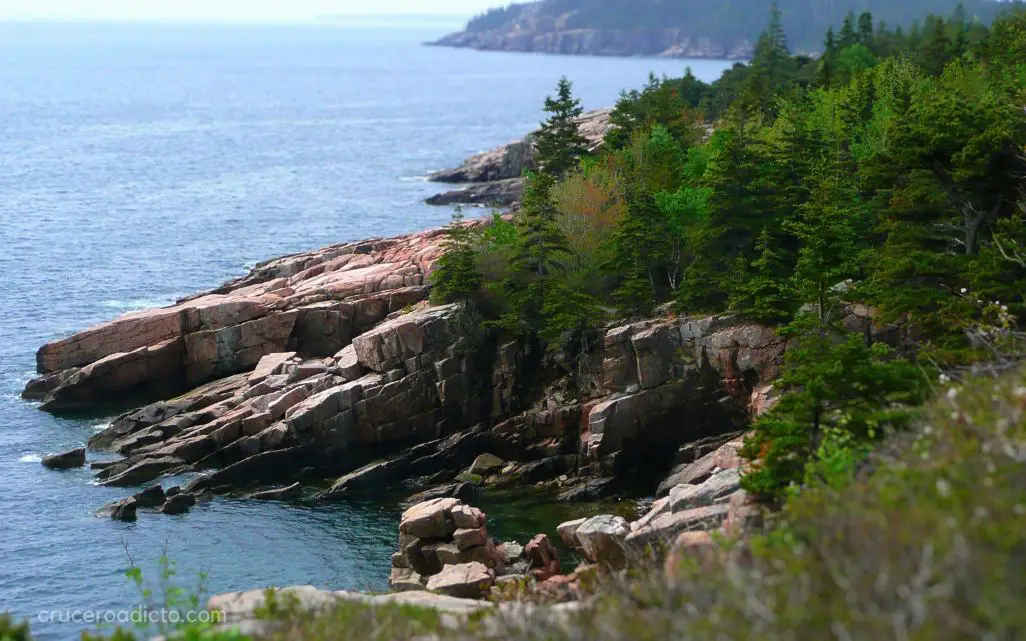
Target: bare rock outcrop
pixel 444 547
pixel 495 178
pixel 312 303
pixel 329 364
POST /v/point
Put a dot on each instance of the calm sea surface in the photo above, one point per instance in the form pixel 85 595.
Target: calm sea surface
pixel 142 163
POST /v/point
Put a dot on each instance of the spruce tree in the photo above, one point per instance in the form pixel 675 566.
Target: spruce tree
pixel 865 29
pixel 640 246
pixel 455 277
pixel 559 144
pixel 540 252
pixel 764 293
pixel 848 35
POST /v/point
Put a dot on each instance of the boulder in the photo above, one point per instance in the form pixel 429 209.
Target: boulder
pixel 123 510
pixel 744 515
pixel 590 490
pixel 178 504
pixel 541 555
pixel 349 363
pixel 466 580
pixel 602 539
pixel 511 552
pixel 405 580
pixel 66 461
pixel 568 532
pixel 467 517
pixel 664 529
pixel 468 538
pixel 150 497
pixel 717 489
pixel 428 520
pixel 268 365
pixel 486 464
pixel 688 545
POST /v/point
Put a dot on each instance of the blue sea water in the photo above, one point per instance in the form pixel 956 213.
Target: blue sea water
pixel 140 163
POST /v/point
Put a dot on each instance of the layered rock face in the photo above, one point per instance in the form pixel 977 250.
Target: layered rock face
pixel 312 303
pixel 329 365
pixel 550 38
pixel 495 177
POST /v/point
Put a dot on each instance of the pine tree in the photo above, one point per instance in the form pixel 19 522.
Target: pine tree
pixel 763 293
pixel 559 144
pixel 537 259
pixel 848 35
pixel 865 29
pixel 935 49
pixel 825 70
pixel 640 247
pixel 829 388
pixel 455 277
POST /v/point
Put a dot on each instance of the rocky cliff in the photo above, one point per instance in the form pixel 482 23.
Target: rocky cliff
pixel 331 366
pixel 549 38
pixel 556 28
pixel 494 177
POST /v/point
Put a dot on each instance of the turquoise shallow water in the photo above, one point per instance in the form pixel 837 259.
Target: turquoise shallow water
pixel 142 163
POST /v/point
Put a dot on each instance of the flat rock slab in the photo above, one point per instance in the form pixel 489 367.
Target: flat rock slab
pixel 236 607
pixel 466 581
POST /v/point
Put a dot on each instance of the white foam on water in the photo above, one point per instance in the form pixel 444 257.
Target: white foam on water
pixel 136 304
pixel 31 458
pixel 414 179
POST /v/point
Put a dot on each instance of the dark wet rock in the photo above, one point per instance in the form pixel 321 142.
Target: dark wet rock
pixel 289 493
pixel 66 461
pixel 178 504
pixel 590 490
pixel 123 510
pixel 150 497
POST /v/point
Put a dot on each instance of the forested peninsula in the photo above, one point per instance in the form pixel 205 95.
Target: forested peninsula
pixel 688 28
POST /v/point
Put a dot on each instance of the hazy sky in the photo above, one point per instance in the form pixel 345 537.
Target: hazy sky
pixel 237 10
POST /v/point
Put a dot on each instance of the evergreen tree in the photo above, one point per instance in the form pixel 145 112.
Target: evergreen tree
pixel 848 35
pixel 640 247
pixel 455 277
pixel 825 70
pixel 537 260
pixel 829 388
pixel 865 29
pixel 763 292
pixel 559 144
pixel 935 50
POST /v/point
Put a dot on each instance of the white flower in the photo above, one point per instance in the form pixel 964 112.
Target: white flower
pixel 943 488
pixel 943 379
pixel 952 393
pixel 964 290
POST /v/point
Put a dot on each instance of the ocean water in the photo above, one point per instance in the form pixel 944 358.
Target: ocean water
pixel 140 163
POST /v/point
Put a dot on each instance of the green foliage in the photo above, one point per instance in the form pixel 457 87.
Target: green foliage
pixel 762 291
pixel 559 143
pixel 455 277
pixel 727 26
pixel 11 630
pixel 923 542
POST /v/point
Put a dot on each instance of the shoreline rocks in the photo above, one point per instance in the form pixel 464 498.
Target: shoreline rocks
pixel 444 547
pixel 67 461
pixel 494 178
